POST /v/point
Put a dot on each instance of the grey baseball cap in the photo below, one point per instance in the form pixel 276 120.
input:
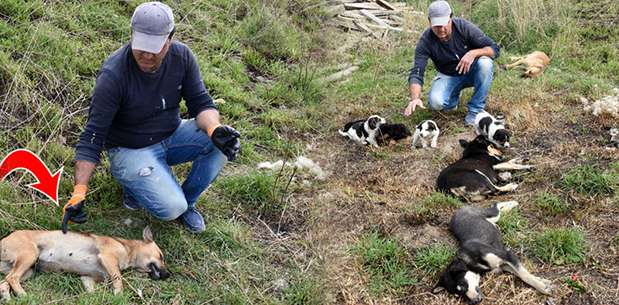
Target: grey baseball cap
pixel 151 25
pixel 439 13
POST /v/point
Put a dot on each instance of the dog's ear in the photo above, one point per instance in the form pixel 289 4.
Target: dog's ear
pixel 463 143
pixel 147 234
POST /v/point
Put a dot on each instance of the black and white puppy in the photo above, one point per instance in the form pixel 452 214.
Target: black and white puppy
pixel 481 250
pixel 363 131
pixel 614 138
pixel 388 133
pixel 426 131
pixel 493 129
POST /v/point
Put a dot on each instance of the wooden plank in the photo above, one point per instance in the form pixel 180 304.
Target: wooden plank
pixel 352 14
pixel 385 4
pixel 335 10
pixel 362 6
pixel 364 27
pixel 379 13
pixel 374 18
pixel 375 26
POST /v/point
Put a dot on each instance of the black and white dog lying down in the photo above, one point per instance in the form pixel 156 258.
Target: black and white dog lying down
pixel 390 133
pixel 481 250
pixel 363 131
pixel 493 129
pixel 476 174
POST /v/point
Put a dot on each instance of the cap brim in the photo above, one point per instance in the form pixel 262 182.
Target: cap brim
pixel 436 21
pixel 148 43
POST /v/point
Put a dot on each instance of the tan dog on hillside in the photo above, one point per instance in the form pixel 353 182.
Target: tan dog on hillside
pixel 95 258
pixel 534 64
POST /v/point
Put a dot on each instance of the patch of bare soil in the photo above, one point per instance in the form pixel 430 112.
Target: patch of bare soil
pixel 370 189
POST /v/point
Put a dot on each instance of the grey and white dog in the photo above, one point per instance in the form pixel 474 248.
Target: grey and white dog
pixel 481 250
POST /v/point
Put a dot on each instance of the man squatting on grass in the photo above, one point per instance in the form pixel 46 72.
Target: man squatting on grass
pixel 463 56
pixel 134 115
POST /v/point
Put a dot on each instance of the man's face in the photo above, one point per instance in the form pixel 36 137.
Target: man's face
pixel 443 32
pixel 150 62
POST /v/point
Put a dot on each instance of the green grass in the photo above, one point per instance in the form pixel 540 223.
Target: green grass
pixel 304 292
pixel 513 227
pixel 441 200
pixel 588 180
pixel 560 246
pixel 386 263
pixel 261 191
pixel 551 204
pixel 433 259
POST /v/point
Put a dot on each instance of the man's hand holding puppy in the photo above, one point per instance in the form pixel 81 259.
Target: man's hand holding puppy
pixel 74 211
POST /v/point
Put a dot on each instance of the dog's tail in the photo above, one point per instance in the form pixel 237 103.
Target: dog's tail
pixel 494 187
pixel 342 133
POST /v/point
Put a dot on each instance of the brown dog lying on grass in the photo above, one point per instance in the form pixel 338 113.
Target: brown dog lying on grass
pixel 534 64
pixel 95 258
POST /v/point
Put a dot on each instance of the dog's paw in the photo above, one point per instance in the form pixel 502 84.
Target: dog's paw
pixel 5 291
pixel 505 176
pixel 507 205
pixel 548 287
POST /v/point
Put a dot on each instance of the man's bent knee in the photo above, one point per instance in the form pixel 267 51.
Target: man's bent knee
pixel 485 65
pixel 171 210
pixel 436 102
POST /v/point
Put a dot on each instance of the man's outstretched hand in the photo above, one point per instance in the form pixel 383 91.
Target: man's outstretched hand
pixel 74 210
pixel 226 139
pixel 414 103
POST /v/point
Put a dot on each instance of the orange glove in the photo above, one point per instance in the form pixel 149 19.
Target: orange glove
pixel 74 211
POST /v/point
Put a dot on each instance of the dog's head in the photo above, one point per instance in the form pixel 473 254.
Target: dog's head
pixel 478 146
pixel 501 138
pixel 458 279
pixel 427 128
pixel 148 258
pixel 374 122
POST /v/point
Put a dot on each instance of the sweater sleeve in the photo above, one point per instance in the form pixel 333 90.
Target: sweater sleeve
pixel 478 39
pixel 194 92
pixel 103 107
pixel 421 60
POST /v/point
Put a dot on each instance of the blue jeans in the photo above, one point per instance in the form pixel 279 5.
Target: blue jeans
pixel 445 91
pixel 146 176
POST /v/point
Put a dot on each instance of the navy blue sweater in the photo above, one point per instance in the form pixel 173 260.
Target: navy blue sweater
pixel 135 109
pixel 446 55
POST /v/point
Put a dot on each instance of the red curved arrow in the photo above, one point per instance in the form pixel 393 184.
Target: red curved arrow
pixel 25 159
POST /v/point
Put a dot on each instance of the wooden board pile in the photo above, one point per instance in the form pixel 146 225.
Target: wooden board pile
pixel 375 17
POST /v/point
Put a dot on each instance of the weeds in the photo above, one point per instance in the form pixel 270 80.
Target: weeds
pixel 589 180
pixel 560 246
pixel 433 259
pixel 304 292
pixel 551 204
pixel 512 225
pixel 386 263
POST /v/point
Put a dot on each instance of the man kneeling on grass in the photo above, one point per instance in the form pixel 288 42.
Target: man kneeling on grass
pixel 463 56
pixel 134 115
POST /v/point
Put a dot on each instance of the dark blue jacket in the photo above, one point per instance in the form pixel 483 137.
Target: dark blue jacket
pixel 135 109
pixel 446 55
